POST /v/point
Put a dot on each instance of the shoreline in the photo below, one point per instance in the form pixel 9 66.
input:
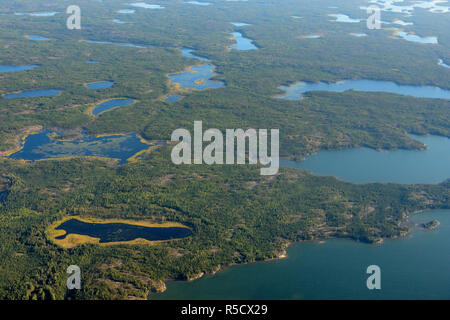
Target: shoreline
pixel 283 253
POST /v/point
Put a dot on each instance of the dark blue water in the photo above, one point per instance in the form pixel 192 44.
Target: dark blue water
pixel 112 232
pixel 3 196
pixel 16 68
pixel 111 104
pixel 295 91
pixel 364 165
pixel 43 146
pixel 33 94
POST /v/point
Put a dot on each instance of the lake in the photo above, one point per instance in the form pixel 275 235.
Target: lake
pixel 196 77
pixel 36 38
pixel 17 68
pixel 358 35
pixel 413 267
pixel 43 145
pixel 295 90
pixel 443 64
pixel 199 3
pixel 146 5
pixel 33 94
pixel 100 85
pixel 242 43
pixel 365 165
pixel 344 18
pixel 111 104
pixel 118 232
pixel 3 196
pixel 240 24
pixel 173 98
pixel 415 38
pixel 187 53
pixel 119 44
pixel 126 11
pixel 37 14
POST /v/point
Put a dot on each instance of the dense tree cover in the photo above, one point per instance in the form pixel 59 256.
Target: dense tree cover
pixel 236 215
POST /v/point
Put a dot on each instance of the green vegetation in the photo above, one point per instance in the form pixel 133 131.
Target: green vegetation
pixel 236 215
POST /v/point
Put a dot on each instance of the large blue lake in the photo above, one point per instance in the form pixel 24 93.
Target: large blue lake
pixel 414 267
pixel 364 165
pixel 295 90
pixel 17 68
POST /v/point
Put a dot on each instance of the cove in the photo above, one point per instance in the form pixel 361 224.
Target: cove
pixel 187 53
pixel 242 43
pixel 365 165
pixel 413 267
pixel 111 104
pixel 17 68
pixel 196 77
pixel 44 145
pixel 121 232
pixel 295 90
pixel 33 94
